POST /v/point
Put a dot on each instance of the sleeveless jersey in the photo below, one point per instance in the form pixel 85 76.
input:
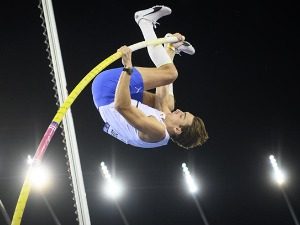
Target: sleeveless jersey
pixel 118 127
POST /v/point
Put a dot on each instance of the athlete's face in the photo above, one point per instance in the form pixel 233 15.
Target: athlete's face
pixel 179 118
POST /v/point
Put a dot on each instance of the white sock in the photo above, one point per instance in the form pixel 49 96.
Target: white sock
pixel 157 53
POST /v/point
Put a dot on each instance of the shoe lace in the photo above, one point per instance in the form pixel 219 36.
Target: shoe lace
pixel 154 22
pixel 177 52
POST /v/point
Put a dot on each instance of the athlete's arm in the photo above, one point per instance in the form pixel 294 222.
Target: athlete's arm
pixel 152 130
pixel 163 100
pixel 154 101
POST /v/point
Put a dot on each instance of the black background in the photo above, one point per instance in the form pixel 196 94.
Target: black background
pixel 242 81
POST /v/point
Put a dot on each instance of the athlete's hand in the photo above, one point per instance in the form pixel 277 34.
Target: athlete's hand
pixel 126 56
pixel 180 38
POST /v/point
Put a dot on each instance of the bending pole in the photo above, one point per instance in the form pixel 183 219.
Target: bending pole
pixel 20 207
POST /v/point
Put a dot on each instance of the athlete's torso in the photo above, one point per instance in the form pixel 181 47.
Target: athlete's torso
pixel 117 126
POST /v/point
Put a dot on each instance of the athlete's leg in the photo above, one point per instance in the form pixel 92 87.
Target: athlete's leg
pixel 171 49
pixel 147 20
pixel 156 77
pixel 166 72
pixel 105 84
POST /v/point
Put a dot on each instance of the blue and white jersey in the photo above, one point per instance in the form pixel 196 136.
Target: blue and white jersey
pixel 118 127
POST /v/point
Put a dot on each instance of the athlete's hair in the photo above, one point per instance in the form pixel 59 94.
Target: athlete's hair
pixel 191 135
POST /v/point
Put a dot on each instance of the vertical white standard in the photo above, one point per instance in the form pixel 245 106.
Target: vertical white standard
pixel 69 130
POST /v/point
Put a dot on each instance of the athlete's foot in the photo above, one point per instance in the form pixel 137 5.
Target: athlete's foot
pixel 186 47
pixel 181 46
pixel 152 14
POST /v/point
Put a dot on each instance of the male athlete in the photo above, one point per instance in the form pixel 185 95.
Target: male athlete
pixel 136 116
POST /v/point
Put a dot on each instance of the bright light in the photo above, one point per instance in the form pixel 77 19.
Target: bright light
pixel 29 160
pixel 188 178
pixel 39 175
pixel 112 188
pixel 278 174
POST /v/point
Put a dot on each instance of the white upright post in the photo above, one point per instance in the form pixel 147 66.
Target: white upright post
pixel 69 130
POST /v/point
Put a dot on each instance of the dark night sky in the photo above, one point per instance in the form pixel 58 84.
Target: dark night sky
pixel 242 81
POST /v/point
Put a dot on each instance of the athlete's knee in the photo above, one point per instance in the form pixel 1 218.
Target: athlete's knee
pixel 170 72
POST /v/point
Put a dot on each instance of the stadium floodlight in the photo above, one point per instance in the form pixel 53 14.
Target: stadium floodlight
pixel 112 187
pixel 278 174
pixel 193 188
pixel 40 175
pixel 280 178
pixel 29 159
pixel 188 178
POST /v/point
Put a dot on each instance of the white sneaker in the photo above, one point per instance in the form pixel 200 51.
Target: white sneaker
pixel 152 14
pixel 185 46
